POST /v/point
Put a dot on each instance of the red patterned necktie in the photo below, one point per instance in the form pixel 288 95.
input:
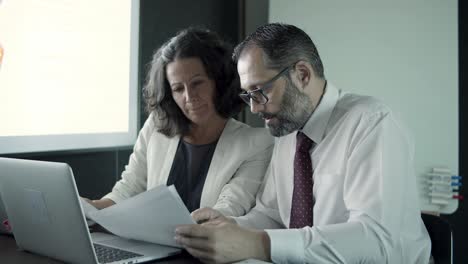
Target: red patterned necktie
pixel 302 200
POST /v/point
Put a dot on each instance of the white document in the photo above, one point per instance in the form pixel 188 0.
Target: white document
pixel 87 209
pixel 151 216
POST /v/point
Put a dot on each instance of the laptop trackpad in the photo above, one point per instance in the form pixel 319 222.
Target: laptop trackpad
pixel 140 247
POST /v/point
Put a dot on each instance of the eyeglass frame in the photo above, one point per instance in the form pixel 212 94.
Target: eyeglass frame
pixel 247 95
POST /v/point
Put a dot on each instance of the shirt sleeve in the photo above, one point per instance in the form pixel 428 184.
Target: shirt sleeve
pixel 134 177
pixel 378 178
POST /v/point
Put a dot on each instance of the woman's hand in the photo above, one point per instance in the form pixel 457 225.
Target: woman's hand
pixel 100 204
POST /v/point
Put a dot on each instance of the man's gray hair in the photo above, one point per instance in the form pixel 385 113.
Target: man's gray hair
pixel 282 46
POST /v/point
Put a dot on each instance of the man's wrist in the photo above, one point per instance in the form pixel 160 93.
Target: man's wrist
pixel 262 246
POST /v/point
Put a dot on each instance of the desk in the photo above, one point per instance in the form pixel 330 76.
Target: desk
pixel 9 254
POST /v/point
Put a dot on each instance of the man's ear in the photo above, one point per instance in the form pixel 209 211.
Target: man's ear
pixel 303 73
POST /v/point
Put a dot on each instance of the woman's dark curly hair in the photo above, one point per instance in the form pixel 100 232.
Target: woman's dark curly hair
pixel 215 54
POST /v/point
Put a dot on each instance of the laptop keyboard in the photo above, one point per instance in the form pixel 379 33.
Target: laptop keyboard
pixel 110 254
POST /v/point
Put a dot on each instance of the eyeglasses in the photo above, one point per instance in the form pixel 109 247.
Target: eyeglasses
pixel 258 95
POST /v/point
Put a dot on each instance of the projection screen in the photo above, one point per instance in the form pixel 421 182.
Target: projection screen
pixel 68 74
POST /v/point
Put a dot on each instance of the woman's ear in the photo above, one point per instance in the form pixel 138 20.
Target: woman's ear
pixel 303 73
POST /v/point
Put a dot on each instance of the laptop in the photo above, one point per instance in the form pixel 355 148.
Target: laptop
pixel 46 217
pixel 3 219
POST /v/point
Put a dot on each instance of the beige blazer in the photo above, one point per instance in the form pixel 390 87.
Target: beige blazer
pixel 234 176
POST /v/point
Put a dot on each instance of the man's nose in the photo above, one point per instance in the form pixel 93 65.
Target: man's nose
pixel 255 107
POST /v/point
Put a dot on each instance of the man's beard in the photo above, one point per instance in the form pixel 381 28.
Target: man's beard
pixel 295 109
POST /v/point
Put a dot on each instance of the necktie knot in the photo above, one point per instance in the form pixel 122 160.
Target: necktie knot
pixel 303 143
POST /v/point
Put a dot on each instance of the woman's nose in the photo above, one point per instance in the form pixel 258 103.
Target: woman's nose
pixel 190 93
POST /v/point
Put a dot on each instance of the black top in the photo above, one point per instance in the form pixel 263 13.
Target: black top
pixel 189 170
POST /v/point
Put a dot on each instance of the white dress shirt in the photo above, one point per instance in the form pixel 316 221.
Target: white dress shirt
pixel 366 204
pixel 235 174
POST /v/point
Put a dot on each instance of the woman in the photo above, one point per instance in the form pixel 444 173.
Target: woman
pixel 190 139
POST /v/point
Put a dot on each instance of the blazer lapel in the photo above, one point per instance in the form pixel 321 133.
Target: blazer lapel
pixel 213 178
pixel 169 159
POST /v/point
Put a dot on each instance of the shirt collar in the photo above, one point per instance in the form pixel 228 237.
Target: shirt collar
pixel 317 123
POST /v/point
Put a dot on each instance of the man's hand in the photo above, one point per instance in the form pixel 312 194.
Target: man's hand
pixel 223 242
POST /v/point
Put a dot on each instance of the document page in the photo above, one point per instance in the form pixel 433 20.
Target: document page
pixel 151 216
pixel 87 209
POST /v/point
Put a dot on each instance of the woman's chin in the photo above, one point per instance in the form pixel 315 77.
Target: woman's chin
pixel 200 119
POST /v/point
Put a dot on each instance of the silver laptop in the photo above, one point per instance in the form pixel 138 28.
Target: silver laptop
pixel 3 219
pixel 46 217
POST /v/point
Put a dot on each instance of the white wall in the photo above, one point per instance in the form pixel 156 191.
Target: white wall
pixel 403 52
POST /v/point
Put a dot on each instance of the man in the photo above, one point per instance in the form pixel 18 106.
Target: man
pixel 340 187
